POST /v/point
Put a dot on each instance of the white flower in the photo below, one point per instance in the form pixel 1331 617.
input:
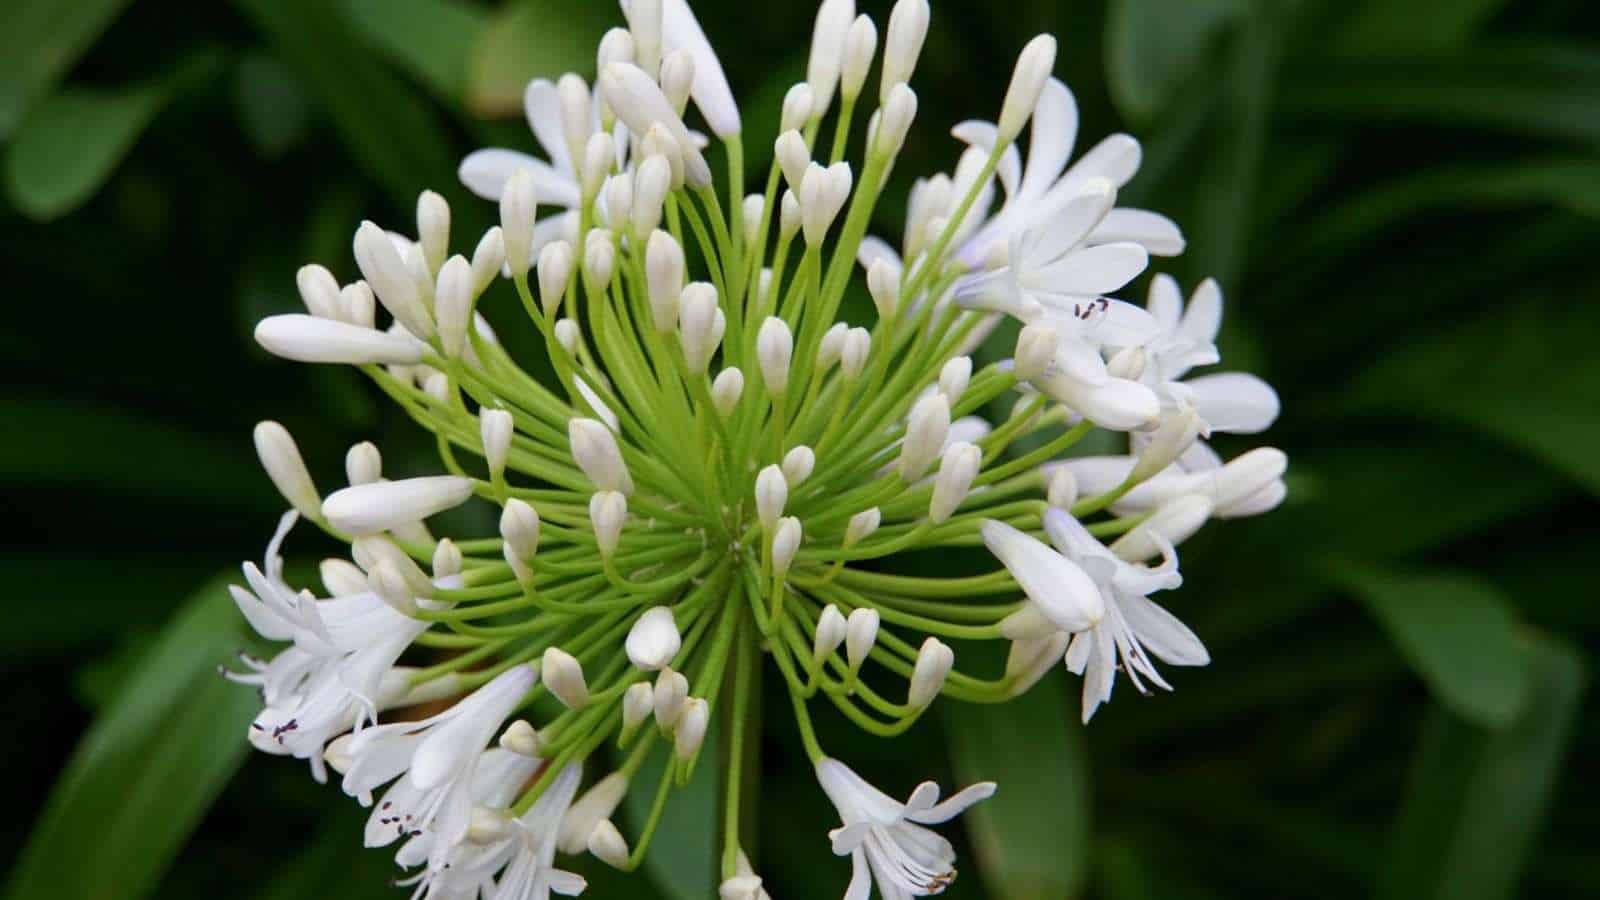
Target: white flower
pixel 885 838
pixel 1248 485
pixel 1133 628
pixel 532 874
pixel 1058 587
pixel 467 865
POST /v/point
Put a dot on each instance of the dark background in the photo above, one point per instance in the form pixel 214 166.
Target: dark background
pixel 1400 199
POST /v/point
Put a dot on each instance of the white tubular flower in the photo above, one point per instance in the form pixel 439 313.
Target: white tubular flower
pixel 826 62
pixel 785 544
pixel 280 456
pixel 563 675
pixel 1133 627
pixel 599 158
pixel 433 229
pixel 1027 84
pixel 788 224
pixel 568 335
pixel 608 512
pixel 690 732
pixel 519 205
pixel 386 272
pixel 726 389
pixel 956 473
pixel 774 349
pixel 555 271
pixel 495 428
pixel 371 508
pixel 357 305
pixel 639 103
pixel 664 268
pixel 861 634
pixel 860 44
pixel 487 259
pixel 926 428
pixel 319 290
pixel 595 806
pixel 672 690
pixel 1249 485
pixel 934 661
pixel 753 209
pixel 883 283
pixel 390 586
pixel 831 629
pixel 600 255
pixel 653 640
pixel 311 339
pixel 595 451
pixel 701 325
pixel 1066 595
pixel 797 465
pixel 886 840
pixel 772 493
pixel 644 23
pixel 363 464
pixel 908 28
pixel 1174 434
pixel 453 298
pixel 1114 403
pixel 531 873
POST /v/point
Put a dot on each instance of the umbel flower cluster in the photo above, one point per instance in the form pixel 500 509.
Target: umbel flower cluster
pixel 713 478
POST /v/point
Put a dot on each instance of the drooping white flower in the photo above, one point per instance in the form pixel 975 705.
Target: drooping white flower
pixel 1058 586
pixel 885 838
pixel 531 874
pixel 1134 628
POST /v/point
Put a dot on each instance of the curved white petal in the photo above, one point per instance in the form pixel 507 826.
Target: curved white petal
pixel 1203 317
pixel 1161 633
pixel 1235 402
pixel 484 172
pixel 541 103
pixel 1152 231
pixel 680 30
pixel 1053 134
pixel 1063 592
pixel 1089 272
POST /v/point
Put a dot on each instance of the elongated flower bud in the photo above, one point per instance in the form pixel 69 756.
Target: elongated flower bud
pixel 433 229
pixel 595 451
pixel 639 103
pixel 701 324
pixel 798 463
pixel 954 378
pixel 638 701
pixel 568 336
pixel 794 158
pixel 519 528
pixel 599 157
pixel 518 207
pixel 1030 660
pixel 672 689
pixel 908 28
pixel 797 106
pixel 894 121
pixel 853 356
pixel 1027 83
pixel 956 473
pixel 726 389
pixel 563 675
pixel 785 544
pixel 1172 523
pixel 520 737
pixel 826 62
pixel 772 493
pixel 319 290
pixel 618 193
pixel 310 339
pixel 386 272
pixel 654 639
pixel 644 23
pixel 831 628
pixel 371 508
pixel 371 550
pixel 677 77
pixel 595 806
pixel 487 259
pixel 608 512
pixel 691 730
pixel 391 588
pixel 664 268
pixel 651 184
pixel 1175 433
pixel 453 298
pixel 447 559
pixel 1061 488
pixel 788 221
pixel 862 525
pixel 357 305
pixel 660 142
pixel 861 633
pixel 280 456
pixel 831 346
pixel 555 271
pixel 883 283
pixel 577 123
pixel 599 257
pixel 774 349
pixel 860 45
pixel 934 661
pixel 925 432
pixel 755 207
pixel 363 464
pixel 1036 348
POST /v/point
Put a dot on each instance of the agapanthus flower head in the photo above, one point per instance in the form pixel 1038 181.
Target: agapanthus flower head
pixel 726 469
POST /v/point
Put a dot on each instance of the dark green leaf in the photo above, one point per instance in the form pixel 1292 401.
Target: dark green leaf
pixel 39 43
pixel 145 773
pixel 1154 46
pixel 272 106
pixel 684 855
pixel 431 39
pixel 70 144
pixel 1385 25
pixel 1457 632
pixel 1032 836
pixel 1477 797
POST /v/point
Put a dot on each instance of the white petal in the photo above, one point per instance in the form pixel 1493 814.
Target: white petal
pixel 1054 131
pixel 1065 227
pixel 710 90
pixel 873 249
pixel 1116 403
pixel 1161 633
pixel 1264 500
pixel 541 103
pixel 1203 318
pixel 1152 231
pixel 955 804
pixel 860 877
pixel 1165 302
pixel 1063 592
pixel 484 172
pixel 1235 402
pixel 370 508
pixel 1089 272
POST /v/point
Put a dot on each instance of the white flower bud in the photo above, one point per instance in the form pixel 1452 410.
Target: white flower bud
pixel 1030 660
pixel 319 290
pixel 822 195
pixel 659 142
pixel 342 577
pixel 797 105
pixel 452 304
pixel 691 729
pixel 437 385
pixel 701 324
pixel 487 259
pixel 772 494
pixel 618 196
pixel 447 559
pixel 433 229
pixel 774 349
pixel 654 639
pixel 672 689
pixel 883 283
pixel 862 525
pixel 596 805
pixel 853 357
pixel 1061 488
pixel 860 45
pixel 794 158
pixel 555 271
pixel 519 528
pixel 925 433
pixel 371 550
pixel 599 156
pixel 894 121
pixel 954 378
pixel 371 508
pixel 1036 349
pixel 600 255
pixel 644 23
pixel 755 207
pixel 1173 522
pixel 357 305
pixel 595 451
pixel 831 629
pixel 664 268
pixel 577 123
pixel 956 473
pixel 861 633
pixel 638 701
pixel 363 464
pixel 568 335
pixel 280 456
pixel 391 588
pixel 389 277
pixel 521 738
pixel 616 45
pixel 726 389
pixel 608 512
pixel 1175 432
pixel 908 28
pixel 1027 623
pixel 1129 362
pixel 785 544
pixel 677 77
pixel 828 38
pixel 798 463
pixel 1244 476
pixel 1034 64
pixel 518 207
pixel 831 346
pixel 639 103
pixel 608 845
pixel 788 217
pixel 563 675
pixel 934 661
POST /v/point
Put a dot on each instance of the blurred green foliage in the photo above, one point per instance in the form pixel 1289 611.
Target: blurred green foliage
pixel 1401 200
